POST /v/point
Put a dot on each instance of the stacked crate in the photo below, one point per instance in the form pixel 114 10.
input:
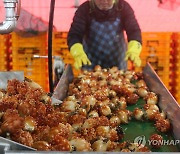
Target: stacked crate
pixel 176 55
pixel 60 48
pixel 156 50
pixel 3 53
pixel 22 52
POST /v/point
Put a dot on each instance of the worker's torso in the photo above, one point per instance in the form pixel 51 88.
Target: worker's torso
pixel 105 45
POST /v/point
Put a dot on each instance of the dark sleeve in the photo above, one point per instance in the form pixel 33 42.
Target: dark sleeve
pixel 130 24
pixel 79 25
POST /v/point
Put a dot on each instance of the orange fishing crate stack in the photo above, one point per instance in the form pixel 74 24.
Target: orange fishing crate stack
pixel 176 91
pixel 156 50
pixel 60 48
pixel 22 52
pixel 3 52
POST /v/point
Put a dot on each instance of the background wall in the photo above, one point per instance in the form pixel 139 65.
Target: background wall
pixel 150 16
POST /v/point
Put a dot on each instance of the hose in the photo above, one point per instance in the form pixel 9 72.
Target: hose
pixel 50 31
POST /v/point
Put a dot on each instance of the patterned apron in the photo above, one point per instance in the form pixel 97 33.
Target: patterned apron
pixel 106 45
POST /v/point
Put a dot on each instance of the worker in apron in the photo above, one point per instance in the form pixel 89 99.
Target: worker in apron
pixel 97 35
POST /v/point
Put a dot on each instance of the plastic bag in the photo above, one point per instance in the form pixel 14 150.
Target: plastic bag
pixel 29 25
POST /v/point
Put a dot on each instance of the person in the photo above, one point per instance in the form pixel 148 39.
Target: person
pixel 96 35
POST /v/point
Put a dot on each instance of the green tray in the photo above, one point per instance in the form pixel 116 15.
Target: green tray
pixel 146 128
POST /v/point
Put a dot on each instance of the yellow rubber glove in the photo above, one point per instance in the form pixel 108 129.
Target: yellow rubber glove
pixel 133 52
pixel 79 56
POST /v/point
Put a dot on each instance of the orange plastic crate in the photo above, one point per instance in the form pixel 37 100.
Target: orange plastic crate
pixel 3 53
pixel 61 43
pixel 3 39
pixel 28 42
pixel 57 35
pixel 34 68
pixel 61 51
pixel 157 36
pixel 160 51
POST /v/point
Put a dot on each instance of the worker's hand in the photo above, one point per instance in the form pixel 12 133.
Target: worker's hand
pixel 133 52
pixel 79 56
